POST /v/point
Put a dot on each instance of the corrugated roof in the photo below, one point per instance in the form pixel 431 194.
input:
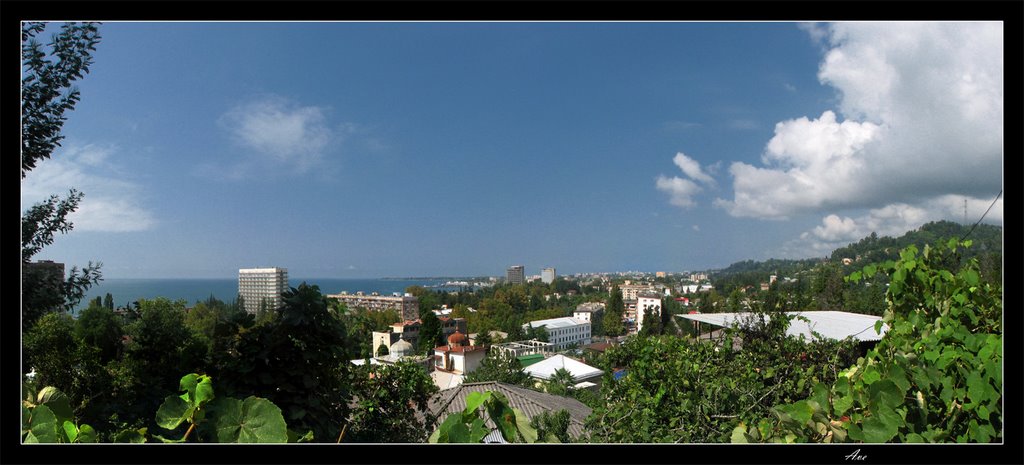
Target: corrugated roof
pixel 555 323
pixel 828 323
pixel 530 402
pixel 545 369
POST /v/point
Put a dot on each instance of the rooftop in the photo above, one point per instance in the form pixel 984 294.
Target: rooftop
pixel 829 324
pixel 546 368
pixel 556 323
pixel 528 401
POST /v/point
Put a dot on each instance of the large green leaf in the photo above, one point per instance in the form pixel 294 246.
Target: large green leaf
pixel 477 431
pixel 523 424
pixel 441 433
pixel 474 400
pixel 188 384
pixel 503 416
pixel 885 393
pixel 57 402
pixel 43 426
pixel 172 413
pixel 882 426
pixel 70 430
pixel 254 420
pixel 87 434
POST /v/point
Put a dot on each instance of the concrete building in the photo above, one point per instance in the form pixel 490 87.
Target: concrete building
pixel 564 332
pixel 629 291
pixel 516 274
pixel 589 311
pixel 408 306
pixel 585 376
pixel 644 302
pixel 547 275
pixel 259 285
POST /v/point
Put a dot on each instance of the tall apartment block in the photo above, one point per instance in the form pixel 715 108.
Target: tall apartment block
pixel 257 285
pixel 516 274
pixel 547 275
pixel 406 305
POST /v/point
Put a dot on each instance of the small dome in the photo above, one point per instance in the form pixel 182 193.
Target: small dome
pixel 400 348
pixel 457 338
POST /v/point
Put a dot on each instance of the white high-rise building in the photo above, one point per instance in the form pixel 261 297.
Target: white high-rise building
pixel 257 285
pixel 547 275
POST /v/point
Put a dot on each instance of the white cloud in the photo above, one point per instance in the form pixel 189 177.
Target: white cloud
pixel 696 228
pixel 891 220
pixel 110 204
pixel 692 168
pixel 281 132
pixel 817 32
pixel 921 123
pixel 681 191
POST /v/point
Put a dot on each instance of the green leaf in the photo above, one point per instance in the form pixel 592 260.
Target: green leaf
pixel 523 424
pixel 474 400
pixel 886 394
pixel 458 433
pixel 254 420
pixel 188 384
pixel 503 416
pixel 477 431
pixel 976 387
pixel 882 426
pixel 170 441
pixel 739 434
pixel 86 434
pixel 878 327
pixel 56 401
pixel 70 430
pixel 172 413
pixel 842 404
pixel 441 434
pixel 801 411
pixel 204 390
pixel 870 270
pixel 855 276
pixel 43 426
pixel 871 375
pixel 914 438
pixel 134 436
pixel 294 437
pixel 971 277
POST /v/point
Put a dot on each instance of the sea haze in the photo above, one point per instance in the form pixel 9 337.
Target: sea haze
pixel 126 291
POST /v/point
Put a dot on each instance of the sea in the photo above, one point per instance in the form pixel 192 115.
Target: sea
pixel 126 291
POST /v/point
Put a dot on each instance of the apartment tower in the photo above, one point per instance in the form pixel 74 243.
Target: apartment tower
pixel 258 285
pixel 516 274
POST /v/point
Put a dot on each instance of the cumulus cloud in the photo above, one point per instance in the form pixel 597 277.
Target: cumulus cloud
pixel 891 220
pixel 918 125
pixel 110 204
pixel 281 132
pixel 680 190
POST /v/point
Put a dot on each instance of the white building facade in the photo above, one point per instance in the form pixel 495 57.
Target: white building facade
pixel 564 332
pixel 259 285
pixel 547 275
pixel 643 303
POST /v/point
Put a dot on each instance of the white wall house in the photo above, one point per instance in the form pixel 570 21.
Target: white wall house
pixel 643 303
pixel 564 332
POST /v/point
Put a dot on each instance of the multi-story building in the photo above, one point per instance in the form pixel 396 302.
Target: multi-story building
pixel 564 332
pixel 589 311
pixel 516 274
pixel 547 275
pixel 647 301
pixel 629 291
pixel 262 287
pixel 407 305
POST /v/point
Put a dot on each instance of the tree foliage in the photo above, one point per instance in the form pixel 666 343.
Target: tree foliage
pixel 936 376
pixel 501 367
pixel 297 361
pixel 386 401
pixel 469 425
pixel 613 312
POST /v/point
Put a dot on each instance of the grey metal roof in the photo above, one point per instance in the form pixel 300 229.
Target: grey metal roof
pixel 528 401
pixel 828 323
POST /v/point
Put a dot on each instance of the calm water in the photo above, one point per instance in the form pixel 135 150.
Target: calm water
pixel 126 291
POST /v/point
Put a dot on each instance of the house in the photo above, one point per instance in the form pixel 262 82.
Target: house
pixel 458 357
pixel 827 324
pixel 531 403
pixel 589 311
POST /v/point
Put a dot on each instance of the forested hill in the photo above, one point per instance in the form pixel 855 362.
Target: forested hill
pixel 987 240
pixel 987 248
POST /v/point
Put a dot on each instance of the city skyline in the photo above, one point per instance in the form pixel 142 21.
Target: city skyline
pixel 460 149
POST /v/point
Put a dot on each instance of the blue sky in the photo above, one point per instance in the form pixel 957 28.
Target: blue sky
pixel 411 149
